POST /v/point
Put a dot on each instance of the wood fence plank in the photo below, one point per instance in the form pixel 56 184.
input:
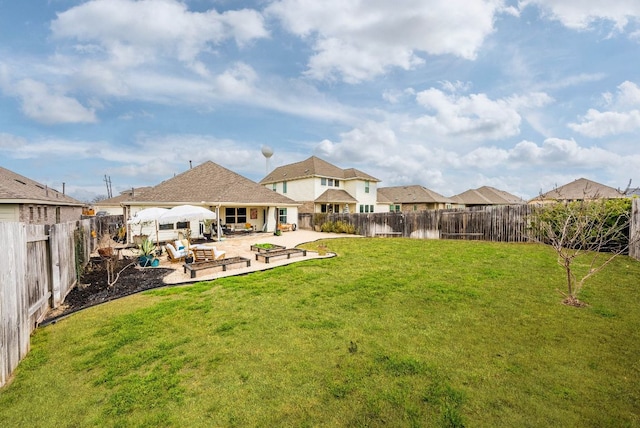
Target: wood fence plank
pixel 37 271
pixel 14 329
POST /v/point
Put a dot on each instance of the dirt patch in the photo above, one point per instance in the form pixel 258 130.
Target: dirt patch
pixel 93 287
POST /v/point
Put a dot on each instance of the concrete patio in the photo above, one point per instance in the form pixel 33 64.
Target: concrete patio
pixel 239 246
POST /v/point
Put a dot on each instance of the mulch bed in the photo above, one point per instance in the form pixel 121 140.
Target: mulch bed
pixel 93 288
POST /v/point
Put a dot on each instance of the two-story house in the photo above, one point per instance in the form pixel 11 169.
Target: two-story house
pixel 322 187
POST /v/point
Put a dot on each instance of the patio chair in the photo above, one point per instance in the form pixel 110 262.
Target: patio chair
pixel 174 255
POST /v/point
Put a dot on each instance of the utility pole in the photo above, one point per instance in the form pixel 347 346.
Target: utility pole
pixel 107 181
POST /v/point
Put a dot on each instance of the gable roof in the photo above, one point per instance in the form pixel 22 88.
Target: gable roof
pixel 487 195
pixel 335 195
pixel 210 183
pixel 580 189
pixel 414 194
pixel 16 188
pixel 314 167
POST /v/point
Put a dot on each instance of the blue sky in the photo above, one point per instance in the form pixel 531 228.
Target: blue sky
pixel 448 94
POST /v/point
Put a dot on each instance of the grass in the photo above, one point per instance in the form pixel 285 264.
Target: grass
pixel 393 332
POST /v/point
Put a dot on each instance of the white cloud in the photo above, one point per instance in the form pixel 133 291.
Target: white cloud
pixel 238 81
pixel 624 116
pixel 475 117
pixel 558 152
pixel 600 124
pixel 45 106
pixel 582 14
pixel 358 40
pixel 11 142
pixel 372 141
pixel 138 32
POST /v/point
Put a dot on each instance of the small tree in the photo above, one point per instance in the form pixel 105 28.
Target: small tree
pixel 106 248
pixel 595 229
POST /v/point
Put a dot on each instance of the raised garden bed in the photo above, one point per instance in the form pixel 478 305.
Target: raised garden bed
pixel 266 247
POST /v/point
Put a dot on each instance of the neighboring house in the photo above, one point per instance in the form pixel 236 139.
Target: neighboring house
pixel 411 198
pixel 578 190
pixel 115 205
pixel 485 196
pixel 324 188
pixel 238 201
pixel 27 201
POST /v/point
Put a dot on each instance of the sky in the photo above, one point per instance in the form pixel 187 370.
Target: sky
pixel 452 95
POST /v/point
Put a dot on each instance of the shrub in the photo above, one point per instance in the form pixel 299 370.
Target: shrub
pixel 338 227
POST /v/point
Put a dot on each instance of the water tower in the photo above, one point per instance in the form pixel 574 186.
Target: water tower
pixel 267 152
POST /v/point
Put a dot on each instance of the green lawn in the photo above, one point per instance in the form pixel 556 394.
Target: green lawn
pixel 393 332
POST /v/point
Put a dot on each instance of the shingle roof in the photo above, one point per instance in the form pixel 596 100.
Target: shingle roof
pixel 20 189
pixel 487 195
pixel 335 195
pixel 314 167
pixel 581 189
pixel 212 184
pixel 124 196
pixel 414 194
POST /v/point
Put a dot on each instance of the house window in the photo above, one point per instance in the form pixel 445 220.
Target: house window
pixel 168 226
pixel 336 183
pixel 39 213
pixel 323 181
pixel 331 182
pixel 235 215
pixel 274 187
pixel 361 208
pixel 182 225
pixel 284 187
pixel 46 214
pixel 366 186
pixel 415 208
pixel 282 215
pixel 371 208
pixel 330 208
pixel 366 208
pixel 30 213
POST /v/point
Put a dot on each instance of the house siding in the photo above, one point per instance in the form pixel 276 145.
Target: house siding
pixel 357 189
pixel 9 212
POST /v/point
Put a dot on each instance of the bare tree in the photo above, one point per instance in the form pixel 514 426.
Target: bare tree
pixel 106 250
pixel 596 231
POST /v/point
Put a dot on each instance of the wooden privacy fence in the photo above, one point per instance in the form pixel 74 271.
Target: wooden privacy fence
pixel 37 270
pixel 509 223
pixel 502 224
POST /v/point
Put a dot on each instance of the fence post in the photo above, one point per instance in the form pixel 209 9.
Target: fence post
pixel 54 237
pixel 634 230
